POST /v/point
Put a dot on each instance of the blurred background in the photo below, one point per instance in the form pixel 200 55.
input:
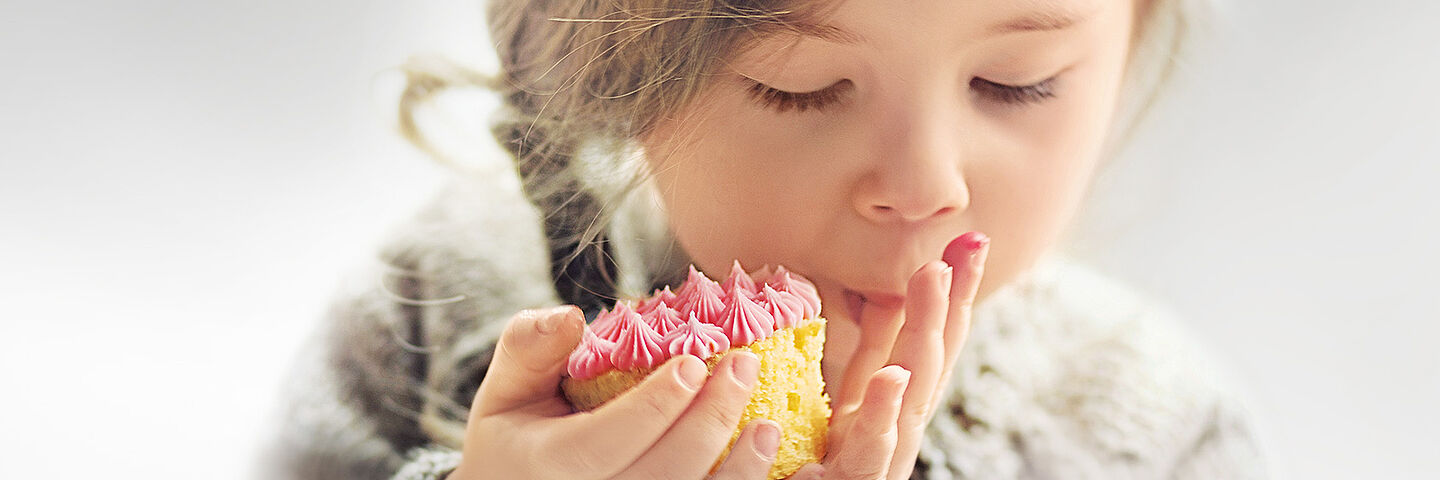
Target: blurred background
pixel 183 185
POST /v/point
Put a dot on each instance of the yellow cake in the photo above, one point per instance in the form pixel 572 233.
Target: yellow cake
pixel 790 390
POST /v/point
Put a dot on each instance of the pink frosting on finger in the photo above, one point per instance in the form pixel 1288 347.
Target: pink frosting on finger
pixel 591 358
pixel 744 321
pixel 697 338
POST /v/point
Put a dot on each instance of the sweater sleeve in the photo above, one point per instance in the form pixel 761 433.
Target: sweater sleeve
pixel 370 402
pixel 1226 448
pixel 430 462
pixel 384 390
pixel 1068 376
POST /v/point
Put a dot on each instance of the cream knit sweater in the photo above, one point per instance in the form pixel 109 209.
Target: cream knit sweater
pixel 1065 375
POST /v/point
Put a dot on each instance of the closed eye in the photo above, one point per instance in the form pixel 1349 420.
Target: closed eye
pixel 1015 94
pixel 784 101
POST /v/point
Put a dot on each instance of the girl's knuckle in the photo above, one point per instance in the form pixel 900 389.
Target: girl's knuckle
pixel 853 467
pixel 716 417
pixel 655 405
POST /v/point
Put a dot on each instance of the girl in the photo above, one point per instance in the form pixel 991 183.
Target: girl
pixel 855 142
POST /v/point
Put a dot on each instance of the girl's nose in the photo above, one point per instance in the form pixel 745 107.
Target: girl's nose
pixel 917 170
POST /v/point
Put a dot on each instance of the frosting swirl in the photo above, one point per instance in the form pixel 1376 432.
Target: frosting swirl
pixel 696 338
pixel 738 278
pixel 662 318
pixel 745 309
pixel 591 358
pixel 639 345
pixel 658 297
pixel 705 303
pixel 694 280
pixel 744 321
pixel 783 281
pixel 787 309
pixel 607 324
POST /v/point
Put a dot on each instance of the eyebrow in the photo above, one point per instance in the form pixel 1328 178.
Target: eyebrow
pixel 1033 21
pixel 1042 21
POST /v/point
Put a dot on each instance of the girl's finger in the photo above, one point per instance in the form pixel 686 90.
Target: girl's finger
pixel 529 360
pixel 871 445
pixel 966 255
pixel 602 442
pixel 753 453
pixel 699 436
pixel 920 349
pixel 811 471
pixel 878 328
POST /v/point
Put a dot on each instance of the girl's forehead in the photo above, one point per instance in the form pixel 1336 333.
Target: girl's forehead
pixel 885 27
pixel 857 21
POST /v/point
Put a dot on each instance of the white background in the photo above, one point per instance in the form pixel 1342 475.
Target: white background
pixel 183 184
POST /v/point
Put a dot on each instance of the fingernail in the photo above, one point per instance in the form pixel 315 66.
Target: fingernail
pixel 947 278
pixel 978 247
pixel 745 368
pixel 767 441
pixel 550 320
pixel 903 377
pixel 963 247
pixel 691 372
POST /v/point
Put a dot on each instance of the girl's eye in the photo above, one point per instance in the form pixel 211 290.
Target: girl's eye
pixel 783 101
pixel 1015 94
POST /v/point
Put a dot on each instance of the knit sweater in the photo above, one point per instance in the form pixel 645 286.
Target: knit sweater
pixel 1065 374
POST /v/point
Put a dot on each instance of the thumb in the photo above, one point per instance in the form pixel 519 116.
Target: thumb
pixel 530 359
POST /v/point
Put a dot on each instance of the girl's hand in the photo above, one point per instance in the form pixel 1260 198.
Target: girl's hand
pixel 894 381
pixel 674 424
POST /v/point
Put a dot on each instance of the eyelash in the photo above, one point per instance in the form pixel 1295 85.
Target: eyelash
pixel 783 101
pixel 1015 94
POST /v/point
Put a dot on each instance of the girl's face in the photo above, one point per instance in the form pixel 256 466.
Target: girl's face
pixel 854 158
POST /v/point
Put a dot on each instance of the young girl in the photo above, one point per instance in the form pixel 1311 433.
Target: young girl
pixel 858 143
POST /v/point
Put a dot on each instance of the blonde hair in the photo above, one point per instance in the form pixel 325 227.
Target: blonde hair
pixel 580 80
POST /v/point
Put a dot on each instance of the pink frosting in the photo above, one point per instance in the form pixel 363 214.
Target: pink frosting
pixel 639 345
pixel 669 297
pixel 762 274
pixel 706 303
pixel 745 309
pixel 657 298
pixel 738 278
pixel 622 316
pixel 607 324
pixel 662 318
pixel 784 281
pixel 694 281
pixel 788 309
pixel 744 321
pixel 697 338
pixel 591 358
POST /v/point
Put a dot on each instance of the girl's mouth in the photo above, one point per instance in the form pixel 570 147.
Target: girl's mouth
pixel 855 302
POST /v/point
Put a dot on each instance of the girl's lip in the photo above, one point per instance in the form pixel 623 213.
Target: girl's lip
pixel 856 301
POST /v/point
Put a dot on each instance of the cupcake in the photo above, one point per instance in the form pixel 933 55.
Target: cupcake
pixel 773 314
